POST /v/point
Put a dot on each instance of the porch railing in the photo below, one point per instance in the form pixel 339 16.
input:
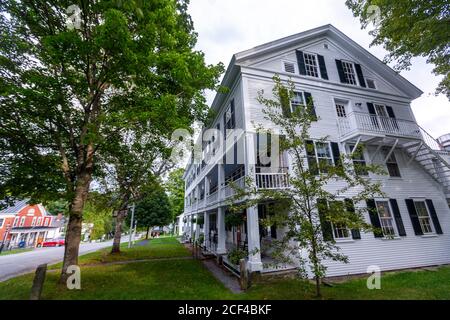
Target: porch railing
pixel 229 190
pixel 212 197
pixel 369 123
pixel 272 180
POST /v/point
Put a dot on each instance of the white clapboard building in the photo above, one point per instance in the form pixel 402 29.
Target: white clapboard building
pixel 357 99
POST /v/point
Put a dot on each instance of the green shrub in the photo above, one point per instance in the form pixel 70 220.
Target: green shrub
pixel 235 255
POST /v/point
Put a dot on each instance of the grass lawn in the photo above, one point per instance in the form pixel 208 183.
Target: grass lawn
pixel 189 279
pixel 14 251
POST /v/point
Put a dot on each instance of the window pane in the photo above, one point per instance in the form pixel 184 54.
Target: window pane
pixel 383 209
pixel 323 150
pixel 421 209
pixel 349 72
pixel 311 65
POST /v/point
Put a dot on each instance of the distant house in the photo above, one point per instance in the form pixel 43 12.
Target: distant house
pixel 25 224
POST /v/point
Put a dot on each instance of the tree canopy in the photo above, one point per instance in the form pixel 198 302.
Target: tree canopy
pixel 67 88
pixel 410 29
pixel 175 188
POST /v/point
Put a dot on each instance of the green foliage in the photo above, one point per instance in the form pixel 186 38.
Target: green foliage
pixel 200 220
pixel 235 255
pixel 97 211
pixel 154 208
pixel 201 238
pixel 234 219
pixel 175 189
pixel 411 29
pixel 57 206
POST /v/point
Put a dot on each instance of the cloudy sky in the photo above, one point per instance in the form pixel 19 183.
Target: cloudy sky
pixel 229 26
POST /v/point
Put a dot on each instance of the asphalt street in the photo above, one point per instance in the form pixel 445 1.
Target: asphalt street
pixel 20 263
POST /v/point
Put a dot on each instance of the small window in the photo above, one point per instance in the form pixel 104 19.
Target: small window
pixel 16 221
pixel 39 221
pixel 448 202
pixel 297 100
pixel 33 222
pixel 46 222
pixel 289 67
pixel 311 65
pixel 371 83
pixel 22 222
pixel 392 165
pixel 229 116
pixel 1 222
pixel 386 220
pixel 340 110
pixel 424 216
pixel 349 72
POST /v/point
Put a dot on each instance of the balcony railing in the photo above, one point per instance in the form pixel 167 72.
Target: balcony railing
pixel 211 198
pixel 229 190
pixel 272 180
pixel 361 123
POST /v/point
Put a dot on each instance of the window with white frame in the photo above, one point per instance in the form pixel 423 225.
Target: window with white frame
pixel 1 222
pixel 359 162
pixel 33 222
pixel 424 216
pixel 340 110
pixel 229 116
pixel 340 230
pixel 22 222
pixel 46 222
pixel 391 164
pixel 16 221
pixel 324 155
pixel 289 66
pixel 297 100
pixel 349 72
pixel 311 65
pixel 386 219
pixel 39 221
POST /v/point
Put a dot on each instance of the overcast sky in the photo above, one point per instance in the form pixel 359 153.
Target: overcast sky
pixel 226 27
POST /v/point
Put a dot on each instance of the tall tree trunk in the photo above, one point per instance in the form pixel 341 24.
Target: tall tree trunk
pixel 118 231
pixel 148 230
pixel 73 234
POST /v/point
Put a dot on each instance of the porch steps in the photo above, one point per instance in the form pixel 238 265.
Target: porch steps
pixel 427 154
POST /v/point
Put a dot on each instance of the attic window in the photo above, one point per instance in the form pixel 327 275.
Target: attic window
pixel 325 45
pixel 371 83
pixel 289 67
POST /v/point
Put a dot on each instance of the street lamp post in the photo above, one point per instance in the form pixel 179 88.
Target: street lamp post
pixel 131 225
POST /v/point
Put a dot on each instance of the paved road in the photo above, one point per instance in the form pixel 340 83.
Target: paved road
pixel 16 264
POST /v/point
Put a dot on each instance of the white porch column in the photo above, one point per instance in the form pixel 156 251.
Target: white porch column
pixel 206 229
pixel 220 181
pixel 250 155
pixel 254 253
pixel 206 191
pixel 197 227
pixel 221 236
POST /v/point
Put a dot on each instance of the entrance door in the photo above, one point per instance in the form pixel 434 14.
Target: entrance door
pixel 383 117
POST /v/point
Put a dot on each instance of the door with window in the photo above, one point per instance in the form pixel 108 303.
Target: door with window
pixel 382 116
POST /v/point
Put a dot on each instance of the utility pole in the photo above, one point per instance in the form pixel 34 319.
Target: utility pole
pixel 134 233
pixel 131 225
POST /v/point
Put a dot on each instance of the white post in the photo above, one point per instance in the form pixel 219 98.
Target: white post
pixel 206 229
pixel 221 233
pixel 254 248
pixel 197 227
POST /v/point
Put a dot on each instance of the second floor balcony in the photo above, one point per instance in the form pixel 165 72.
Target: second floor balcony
pixel 359 124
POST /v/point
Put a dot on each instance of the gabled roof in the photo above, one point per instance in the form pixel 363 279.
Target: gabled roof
pixel 15 208
pixel 330 32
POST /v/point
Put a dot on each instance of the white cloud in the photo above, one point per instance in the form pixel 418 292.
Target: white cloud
pixel 227 27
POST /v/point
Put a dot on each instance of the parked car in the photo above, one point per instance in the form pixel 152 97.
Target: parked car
pixel 52 243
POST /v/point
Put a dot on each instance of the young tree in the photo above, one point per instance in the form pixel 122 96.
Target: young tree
pixel 312 204
pixel 154 209
pixel 66 87
pixel 410 29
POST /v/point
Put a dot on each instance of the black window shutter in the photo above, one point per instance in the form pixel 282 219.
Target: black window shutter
pixel 437 225
pixel 413 215
pixel 301 62
pixel 225 125
pixel 327 231
pixel 374 218
pixel 323 67
pixel 310 105
pixel 398 218
pixel 336 154
pixel 351 208
pixel 359 73
pixel 340 70
pixel 311 153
